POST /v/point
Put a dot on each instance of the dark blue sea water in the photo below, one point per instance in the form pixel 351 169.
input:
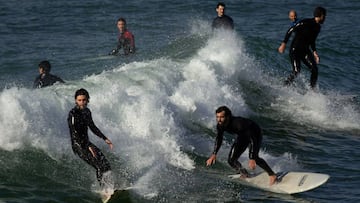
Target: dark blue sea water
pixel 158 105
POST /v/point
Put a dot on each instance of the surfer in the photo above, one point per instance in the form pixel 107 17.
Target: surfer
pixel 306 32
pixel 126 39
pixel 222 20
pixel 293 18
pixel 248 134
pixel 79 120
pixel 45 78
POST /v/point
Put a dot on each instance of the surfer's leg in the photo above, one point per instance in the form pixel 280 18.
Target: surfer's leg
pixel 87 156
pixel 295 63
pixel 309 61
pixel 235 152
pixel 262 163
pixel 100 163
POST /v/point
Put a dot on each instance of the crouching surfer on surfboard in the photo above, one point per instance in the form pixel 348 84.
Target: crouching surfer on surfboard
pixel 79 121
pixel 248 135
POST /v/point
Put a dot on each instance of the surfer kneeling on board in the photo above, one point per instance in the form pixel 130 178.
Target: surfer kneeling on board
pixel 79 121
pixel 248 135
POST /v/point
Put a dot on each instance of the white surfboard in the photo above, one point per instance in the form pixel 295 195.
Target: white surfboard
pixel 288 182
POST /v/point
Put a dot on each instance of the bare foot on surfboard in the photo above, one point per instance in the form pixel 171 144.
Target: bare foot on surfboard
pixel 272 179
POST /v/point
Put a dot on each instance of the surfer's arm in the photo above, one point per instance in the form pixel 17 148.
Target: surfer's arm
pixel 218 141
pixel 97 131
pixel 94 128
pixel 118 47
pixel 282 46
pixel 71 124
pixel 313 47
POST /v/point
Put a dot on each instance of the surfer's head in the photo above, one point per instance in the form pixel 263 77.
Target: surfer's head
pixel 320 14
pixel 121 25
pixel 44 67
pixel 220 9
pixel 292 15
pixel 82 98
pixel 223 115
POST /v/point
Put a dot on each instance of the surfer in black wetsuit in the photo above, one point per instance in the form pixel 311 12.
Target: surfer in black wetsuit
pixel 222 20
pixel 248 134
pixel 45 78
pixel 306 32
pixel 79 121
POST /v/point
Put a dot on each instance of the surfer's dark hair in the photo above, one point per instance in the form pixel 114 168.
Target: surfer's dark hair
pixel 220 4
pixel 45 65
pixel 121 19
pixel 225 109
pixel 82 91
pixel 319 11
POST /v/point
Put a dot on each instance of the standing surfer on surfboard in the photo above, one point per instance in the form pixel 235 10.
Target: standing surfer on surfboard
pixel 306 32
pixel 248 135
pixel 79 121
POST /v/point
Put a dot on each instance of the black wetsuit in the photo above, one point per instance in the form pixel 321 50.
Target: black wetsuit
pixel 46 79
pixel 79 120
pixel 306 32
pixel 248 135
pixel 224 22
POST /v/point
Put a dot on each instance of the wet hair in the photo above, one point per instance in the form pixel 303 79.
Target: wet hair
pixel 82 91
pixel 220 4
pixel 319 11
pixel 121 19
pixel 45 65
pixel 224 108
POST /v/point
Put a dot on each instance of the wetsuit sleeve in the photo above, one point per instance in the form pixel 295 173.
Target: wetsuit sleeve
pixel 288 34
pixel 95 129
pixel 313 44
pixel 71 124
pixel 218 140
pixel 291 30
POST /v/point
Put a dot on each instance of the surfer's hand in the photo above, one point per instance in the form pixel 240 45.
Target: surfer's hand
pixel 316 57
pixel 113 52
pixel 281 48
pixel 109 143
pixel 252 164
pixel 211 160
